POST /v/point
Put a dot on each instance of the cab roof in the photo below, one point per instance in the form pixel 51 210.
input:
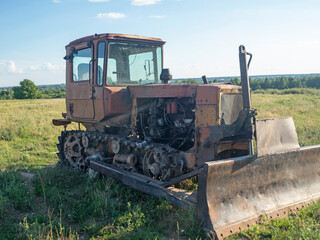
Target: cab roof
pixel 120 37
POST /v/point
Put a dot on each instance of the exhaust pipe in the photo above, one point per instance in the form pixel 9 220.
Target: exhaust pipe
pixel 246 98
pixel 245 84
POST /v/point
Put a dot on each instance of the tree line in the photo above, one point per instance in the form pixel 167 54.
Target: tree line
pixel 282 82
pixel 28 90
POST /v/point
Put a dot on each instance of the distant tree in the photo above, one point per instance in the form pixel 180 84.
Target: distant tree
pixel 52 91
pixel 26 90
pixel 298 83
pixel 282 83
pixel 6 94
pixel 313 82
pixel 255 83
pixel 266 83
pixel 190 81
pixel 291 82
pixel 304 82
pixel 235 81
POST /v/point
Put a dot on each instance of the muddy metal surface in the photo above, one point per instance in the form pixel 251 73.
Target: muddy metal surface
pixel 233 193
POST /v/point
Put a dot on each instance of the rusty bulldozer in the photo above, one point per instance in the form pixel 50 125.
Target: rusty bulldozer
pixel 151 135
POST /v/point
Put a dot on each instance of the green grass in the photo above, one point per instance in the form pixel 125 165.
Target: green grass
pixel 59 203
pixel 27 136
pixel 302 225
pixel 305 91
pixel 304 109
pixel 65 204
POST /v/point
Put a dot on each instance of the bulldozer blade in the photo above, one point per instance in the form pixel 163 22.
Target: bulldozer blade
pixel 276 135
pixel 234 193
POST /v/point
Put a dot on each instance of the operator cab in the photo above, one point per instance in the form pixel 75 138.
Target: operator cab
pixel 119 59
pixel 100 67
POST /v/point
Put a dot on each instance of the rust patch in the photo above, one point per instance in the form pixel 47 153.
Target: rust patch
pixel 117 101
pixel 162 91
pixel 206 115
pixel 207 94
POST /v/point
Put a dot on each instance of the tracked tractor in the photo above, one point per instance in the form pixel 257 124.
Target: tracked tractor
pixel 151 135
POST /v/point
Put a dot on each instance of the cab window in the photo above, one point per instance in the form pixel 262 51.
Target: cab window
pixel 132 63
pixel 81 64
pixel 112 72
pixel 100 62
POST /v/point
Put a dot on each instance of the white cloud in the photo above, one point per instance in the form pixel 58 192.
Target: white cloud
pixel 9 67
pixel 13 68
pixel 156 16
pixel 144 2
pixel 45 67
pixel 112 15
pixel 56 1
pixel 98 0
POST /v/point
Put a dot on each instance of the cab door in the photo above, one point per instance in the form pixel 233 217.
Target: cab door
pixel 99 80
pixel 79 96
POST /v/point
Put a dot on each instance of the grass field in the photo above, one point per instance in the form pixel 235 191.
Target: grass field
pixel 304 108
pixel 39 202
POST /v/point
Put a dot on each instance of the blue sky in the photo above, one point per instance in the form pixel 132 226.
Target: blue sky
pixel 202 36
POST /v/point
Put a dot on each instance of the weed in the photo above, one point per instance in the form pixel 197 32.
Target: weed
pixel 45 227
pixel 305 224
pixel 14 191
pixel 189 225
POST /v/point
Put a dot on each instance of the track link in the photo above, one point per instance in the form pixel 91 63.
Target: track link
pixel 155 160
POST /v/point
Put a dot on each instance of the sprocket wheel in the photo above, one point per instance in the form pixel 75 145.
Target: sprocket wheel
pixel 73 153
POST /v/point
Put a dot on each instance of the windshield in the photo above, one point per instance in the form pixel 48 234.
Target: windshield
pixel 130 63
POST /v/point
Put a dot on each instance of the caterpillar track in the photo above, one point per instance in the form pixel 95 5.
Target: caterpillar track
pixel 159 161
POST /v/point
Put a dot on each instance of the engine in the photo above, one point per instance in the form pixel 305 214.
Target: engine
pixel 167 120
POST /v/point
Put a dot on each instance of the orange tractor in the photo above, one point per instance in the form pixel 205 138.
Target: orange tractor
pixel 150 135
